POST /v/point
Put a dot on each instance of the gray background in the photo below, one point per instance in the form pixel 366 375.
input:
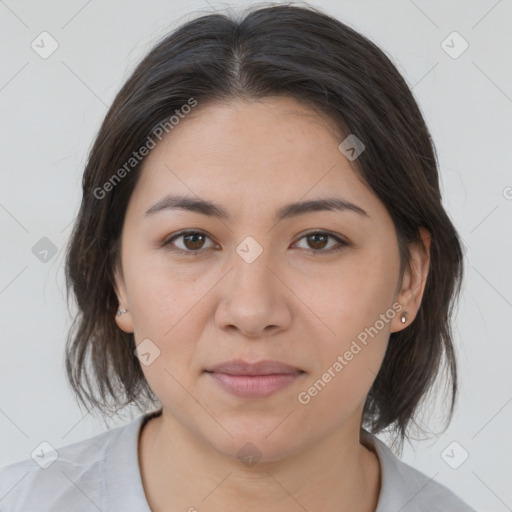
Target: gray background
pixel 51 109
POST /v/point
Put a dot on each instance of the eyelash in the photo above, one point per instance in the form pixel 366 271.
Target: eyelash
pixel 167 243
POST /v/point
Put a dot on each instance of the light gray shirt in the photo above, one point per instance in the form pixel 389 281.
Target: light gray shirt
pixel 102 474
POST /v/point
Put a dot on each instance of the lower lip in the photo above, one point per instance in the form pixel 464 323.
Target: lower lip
pixel 257 386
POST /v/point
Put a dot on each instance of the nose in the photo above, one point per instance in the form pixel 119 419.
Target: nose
pixel 253 299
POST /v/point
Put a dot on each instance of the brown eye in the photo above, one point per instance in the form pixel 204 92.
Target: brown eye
pixel 317 242
pixel 192 242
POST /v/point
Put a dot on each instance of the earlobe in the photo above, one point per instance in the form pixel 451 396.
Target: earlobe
pixel 124 320
pixel 401 319
pixel 413 283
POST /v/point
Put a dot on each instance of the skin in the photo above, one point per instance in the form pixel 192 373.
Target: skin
pixel 289 304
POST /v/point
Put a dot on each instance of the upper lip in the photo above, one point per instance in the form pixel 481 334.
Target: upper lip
pixel 240 367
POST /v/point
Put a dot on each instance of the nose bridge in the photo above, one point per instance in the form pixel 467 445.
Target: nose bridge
pixel 251 274
pixel 253 297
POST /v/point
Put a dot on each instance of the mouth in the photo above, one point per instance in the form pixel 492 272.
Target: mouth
pixel 254 380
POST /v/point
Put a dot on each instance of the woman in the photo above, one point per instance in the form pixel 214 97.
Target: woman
pixel 262 253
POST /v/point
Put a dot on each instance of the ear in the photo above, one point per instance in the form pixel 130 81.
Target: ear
pixel 124 321
pixel 413 282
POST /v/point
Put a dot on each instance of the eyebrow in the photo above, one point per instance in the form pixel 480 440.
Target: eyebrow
pixel 205 207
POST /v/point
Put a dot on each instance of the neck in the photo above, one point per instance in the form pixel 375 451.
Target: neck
pixel 181 471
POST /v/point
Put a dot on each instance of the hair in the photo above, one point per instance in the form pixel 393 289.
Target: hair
pixel 277 50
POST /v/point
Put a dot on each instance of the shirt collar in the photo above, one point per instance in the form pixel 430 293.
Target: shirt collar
pixel 401 486
pixel 122 470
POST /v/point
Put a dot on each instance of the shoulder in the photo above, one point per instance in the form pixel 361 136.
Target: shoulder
pixel 66 478
pixel 406 489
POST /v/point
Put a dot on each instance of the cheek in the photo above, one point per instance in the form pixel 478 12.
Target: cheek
pixel 355 305
pixel 160 295
pixel 351 296
pixel 172 344
pixel 373 282
pixel 169 383
pixel 348 370
pixel 161 307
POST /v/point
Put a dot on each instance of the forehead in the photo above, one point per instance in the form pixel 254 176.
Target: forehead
pixel 256 153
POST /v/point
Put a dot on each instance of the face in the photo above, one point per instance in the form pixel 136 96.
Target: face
pixel 316 289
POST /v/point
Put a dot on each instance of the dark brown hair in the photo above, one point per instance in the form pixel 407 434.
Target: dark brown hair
pixel 299 52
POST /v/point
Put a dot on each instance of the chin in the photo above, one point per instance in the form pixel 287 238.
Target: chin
pixel 261 442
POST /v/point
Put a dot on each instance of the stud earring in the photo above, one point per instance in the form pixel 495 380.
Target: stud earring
pixel 121 311
pixel 403 318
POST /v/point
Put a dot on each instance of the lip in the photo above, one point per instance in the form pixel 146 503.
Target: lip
pixel 241 367
pixel 254 380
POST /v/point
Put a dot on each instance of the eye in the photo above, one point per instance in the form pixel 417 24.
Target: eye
pixel 193 242
pixel 318 240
